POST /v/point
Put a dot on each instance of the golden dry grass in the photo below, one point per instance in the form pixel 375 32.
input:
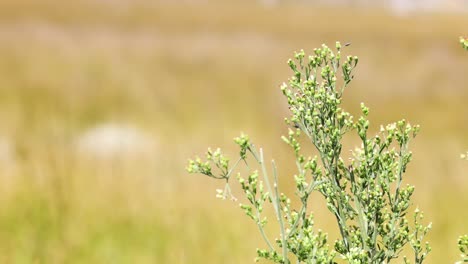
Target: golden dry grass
pixel 194 76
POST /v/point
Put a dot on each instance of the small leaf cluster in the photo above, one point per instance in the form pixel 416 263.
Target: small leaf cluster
pixel 464 42
pixel 463 246
pixel 215 166
pixel 204 167
pixel 255 194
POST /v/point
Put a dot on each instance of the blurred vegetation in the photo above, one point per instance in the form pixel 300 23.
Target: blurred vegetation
pixel 191 75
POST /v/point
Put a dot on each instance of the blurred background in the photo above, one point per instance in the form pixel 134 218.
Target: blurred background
pixel 102 102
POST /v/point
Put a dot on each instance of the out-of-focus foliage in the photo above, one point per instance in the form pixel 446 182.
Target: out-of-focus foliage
pixel 464 43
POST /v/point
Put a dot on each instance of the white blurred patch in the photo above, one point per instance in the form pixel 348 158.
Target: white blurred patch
pixel 109 141
pixel 8 162
pixel 6 152
pixel 407 7
pixel 270 2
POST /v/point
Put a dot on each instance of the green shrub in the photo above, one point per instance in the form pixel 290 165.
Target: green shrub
pixel 366 194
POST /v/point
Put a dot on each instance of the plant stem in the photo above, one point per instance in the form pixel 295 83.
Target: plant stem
pixel 280 218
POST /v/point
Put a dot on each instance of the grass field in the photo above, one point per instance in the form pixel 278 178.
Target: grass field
pixel 189 77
